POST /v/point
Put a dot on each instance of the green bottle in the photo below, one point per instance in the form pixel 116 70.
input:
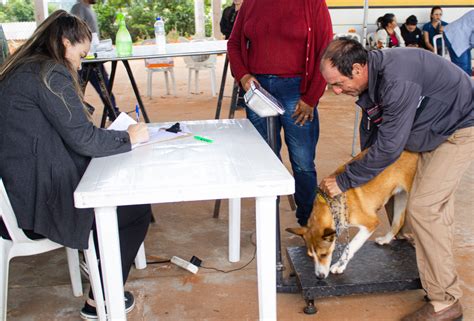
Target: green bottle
pixel 123 40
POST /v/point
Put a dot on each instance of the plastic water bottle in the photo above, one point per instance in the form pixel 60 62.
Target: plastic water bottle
pixel 160 35
pixel 123 40
pixel 94 42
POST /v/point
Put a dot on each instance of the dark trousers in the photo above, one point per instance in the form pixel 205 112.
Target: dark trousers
pixel 94 80
pixel 133 222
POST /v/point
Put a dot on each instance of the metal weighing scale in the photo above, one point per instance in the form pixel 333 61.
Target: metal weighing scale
pixel 373 268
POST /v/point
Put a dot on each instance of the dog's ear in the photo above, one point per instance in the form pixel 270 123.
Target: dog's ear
pixel 297 230
pixel 329 234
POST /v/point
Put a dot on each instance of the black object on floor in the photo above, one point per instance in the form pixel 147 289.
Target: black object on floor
pixel 374 268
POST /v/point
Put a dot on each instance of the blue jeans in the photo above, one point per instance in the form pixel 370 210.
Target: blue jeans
pixel 463 61
pixel 301 140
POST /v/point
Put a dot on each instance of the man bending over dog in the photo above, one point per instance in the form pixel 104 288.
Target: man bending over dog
pixel 415 100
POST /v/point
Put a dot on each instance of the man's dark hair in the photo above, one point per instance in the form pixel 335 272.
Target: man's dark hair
pixel 411 20
pixel 343 53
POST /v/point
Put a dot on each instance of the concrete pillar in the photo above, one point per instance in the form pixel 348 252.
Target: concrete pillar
pixel 41 11
pixel 216 18
pixel 199 18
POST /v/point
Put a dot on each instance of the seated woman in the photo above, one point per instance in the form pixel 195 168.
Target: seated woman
pixel 47 141
pixel 388 34
pixel 411 33
pixel 433 28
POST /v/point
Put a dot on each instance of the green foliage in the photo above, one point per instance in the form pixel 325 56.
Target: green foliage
pixel 52 7
pixel 106 18
pixel 140 21
pixel 140 16
pixel 17 10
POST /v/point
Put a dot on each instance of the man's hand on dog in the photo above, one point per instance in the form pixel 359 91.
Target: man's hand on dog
pixel 329 186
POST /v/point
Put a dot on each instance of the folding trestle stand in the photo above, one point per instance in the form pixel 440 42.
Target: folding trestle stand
pixel 373 269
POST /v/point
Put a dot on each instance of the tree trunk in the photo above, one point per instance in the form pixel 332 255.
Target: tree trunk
pixel 199 18
pixel 41 11
pixel 216 18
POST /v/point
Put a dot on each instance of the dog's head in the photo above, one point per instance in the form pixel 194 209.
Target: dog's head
pixel 319 236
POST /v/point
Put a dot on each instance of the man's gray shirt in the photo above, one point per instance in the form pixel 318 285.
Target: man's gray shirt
pixel 401 80
pixel 85 12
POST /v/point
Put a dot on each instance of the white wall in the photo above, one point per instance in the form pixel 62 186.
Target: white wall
pixel 345 19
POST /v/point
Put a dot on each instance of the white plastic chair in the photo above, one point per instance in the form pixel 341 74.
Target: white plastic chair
pixel 197 63
pixel 444 52
pixel 371 44
pixel 165 65
pixel 21 245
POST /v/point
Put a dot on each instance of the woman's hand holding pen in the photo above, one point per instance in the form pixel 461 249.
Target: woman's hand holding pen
pixel 138 133
pixel 303 113
pixel 247 80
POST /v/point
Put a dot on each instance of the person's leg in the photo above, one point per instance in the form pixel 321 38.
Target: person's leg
pixel 301 142
pixel 431 214
pixel 463 61
pixel 133 222
pixel 94 80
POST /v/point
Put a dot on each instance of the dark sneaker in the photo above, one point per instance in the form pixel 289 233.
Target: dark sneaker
pixel 88 312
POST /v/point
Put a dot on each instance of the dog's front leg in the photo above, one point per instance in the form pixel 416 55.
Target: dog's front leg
pixel 354 245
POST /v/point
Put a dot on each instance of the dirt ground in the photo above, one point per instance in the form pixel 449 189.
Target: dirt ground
pixel 39 287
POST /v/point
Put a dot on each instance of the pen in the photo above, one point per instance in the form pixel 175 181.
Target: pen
pixel 137 112
pixel 204 139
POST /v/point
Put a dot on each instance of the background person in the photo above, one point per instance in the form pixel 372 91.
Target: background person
pixel 226 24
pixel 83 10
pixel 228 18
pixel 419 108
pixel 388 34
pixel 433 28
pixel 48 141
pixel 277 43
pixel 460 35
pixel 411 33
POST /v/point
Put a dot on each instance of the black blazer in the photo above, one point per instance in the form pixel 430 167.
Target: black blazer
pixel 46 143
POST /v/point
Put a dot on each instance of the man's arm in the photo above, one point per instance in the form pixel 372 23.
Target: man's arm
pixel 400 100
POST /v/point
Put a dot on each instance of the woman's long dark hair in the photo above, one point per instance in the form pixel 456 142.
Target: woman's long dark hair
pixel 46 47
pixel 385 20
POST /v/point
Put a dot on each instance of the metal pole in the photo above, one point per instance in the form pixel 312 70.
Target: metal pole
pixel 221 90
pixel 272 142
pixel 364 23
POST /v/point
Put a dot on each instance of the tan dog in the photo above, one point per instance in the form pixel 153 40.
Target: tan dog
pixel 362 204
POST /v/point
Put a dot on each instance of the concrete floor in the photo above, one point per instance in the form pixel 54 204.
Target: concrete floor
pixel 39 287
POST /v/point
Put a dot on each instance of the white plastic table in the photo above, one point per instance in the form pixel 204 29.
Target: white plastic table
pixel 239 163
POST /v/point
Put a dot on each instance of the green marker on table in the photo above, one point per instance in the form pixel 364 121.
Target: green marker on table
pixel 203 139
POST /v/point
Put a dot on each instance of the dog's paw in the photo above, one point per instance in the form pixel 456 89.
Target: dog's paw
pixel 382 240
pixel 338 267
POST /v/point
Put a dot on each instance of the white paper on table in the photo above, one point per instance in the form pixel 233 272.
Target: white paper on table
pixel 156 134
pixel 122 122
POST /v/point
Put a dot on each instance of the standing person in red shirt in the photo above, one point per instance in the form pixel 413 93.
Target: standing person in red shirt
pixel 278 44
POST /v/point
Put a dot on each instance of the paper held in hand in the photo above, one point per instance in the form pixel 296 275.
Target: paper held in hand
pixel 157 134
